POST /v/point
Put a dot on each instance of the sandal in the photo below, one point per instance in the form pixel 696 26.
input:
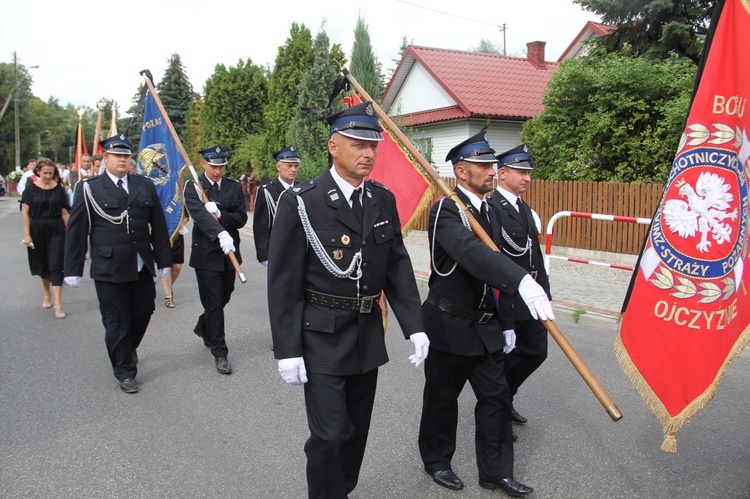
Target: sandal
pixel 169 302
pixel 59 313
pixel 47 303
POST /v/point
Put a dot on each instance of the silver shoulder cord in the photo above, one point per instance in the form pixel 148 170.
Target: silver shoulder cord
pixel 90 201
pixel 354 272
pixel 464 221
pixel 272 204
pixel 521 251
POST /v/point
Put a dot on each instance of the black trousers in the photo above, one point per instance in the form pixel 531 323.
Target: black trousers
pixel 126 310
pixel 214 289
pixel 339 409
pixel 445 376
pixel 529 354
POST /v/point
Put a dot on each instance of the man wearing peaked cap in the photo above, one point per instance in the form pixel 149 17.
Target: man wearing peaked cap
pixel 267 198
pixel 519 240
pixel 336 245
pixel 122 217
pixel 216 232
pixel 464 332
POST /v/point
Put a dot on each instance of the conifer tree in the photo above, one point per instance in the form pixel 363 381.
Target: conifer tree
pixel 364 67
pixel 176 93
pixel 294 59
pixel 308 130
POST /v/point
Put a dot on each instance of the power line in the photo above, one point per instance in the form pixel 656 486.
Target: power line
pixel 452 15
pixel 502 27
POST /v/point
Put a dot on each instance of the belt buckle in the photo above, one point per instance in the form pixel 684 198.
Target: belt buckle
pixel 365 304
pixel 485 317
pixel 534 273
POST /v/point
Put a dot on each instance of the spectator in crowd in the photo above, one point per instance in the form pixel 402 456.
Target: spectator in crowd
pixel 45 209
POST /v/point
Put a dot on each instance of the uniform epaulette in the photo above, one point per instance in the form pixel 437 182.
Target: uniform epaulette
pixel 378 184
pixel 302 187
pixel 232 179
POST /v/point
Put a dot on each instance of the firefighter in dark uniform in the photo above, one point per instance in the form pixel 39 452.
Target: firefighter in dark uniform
pixel 336 246
pixel 267 198
pixel 466 343
pixel 122 217
pixel 216 232
pixel 519 240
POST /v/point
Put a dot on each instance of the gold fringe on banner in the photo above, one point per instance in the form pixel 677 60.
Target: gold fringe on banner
pixel 424 204
pixel 672 424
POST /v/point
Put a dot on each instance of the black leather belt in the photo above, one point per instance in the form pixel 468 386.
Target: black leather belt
pixel 446 306
pixel 363 304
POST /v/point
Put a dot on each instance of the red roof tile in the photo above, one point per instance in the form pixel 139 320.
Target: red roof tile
pixel 483 85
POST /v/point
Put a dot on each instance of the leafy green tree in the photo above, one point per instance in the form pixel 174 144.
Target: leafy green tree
pixel 364 67
pixel 176 94
pixel 308 130
pixel 194 131
pixel 27 130
pixel 294 59
pixel 654 28
pixel 611 117
pixel 233 108
pixel 487 47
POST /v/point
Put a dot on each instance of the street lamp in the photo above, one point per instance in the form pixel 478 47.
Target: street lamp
pixel 17 128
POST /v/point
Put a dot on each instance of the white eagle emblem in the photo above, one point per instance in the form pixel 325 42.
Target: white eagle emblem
pixel 705 210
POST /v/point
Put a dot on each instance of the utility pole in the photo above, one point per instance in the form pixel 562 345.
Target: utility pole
pixel 502 28
pixel 15 108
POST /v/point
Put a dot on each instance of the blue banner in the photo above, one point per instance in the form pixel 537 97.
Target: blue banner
pixel 160 160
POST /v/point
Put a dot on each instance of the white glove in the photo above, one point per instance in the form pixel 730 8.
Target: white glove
pixel 421 348
pixel 293 370
pixel 535 299
pixel 73 281
pixel 265 263
pixel 164 272
pixel 510 340
pixel 213 209
pixel 226 242
pixel 183 230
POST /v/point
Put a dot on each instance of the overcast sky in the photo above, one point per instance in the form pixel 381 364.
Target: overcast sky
pixel 88 49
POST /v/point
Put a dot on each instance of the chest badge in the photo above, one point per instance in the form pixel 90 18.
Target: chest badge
pixel 338 254
pixel 345 239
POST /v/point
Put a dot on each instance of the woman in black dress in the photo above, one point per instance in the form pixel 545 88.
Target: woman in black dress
pixel 45 218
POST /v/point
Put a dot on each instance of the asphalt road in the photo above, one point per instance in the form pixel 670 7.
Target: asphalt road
pixel 67 431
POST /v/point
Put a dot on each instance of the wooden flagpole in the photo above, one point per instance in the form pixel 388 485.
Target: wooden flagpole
pixel 186 158
pixel 79 142
pixel 558 336
pixel 98 130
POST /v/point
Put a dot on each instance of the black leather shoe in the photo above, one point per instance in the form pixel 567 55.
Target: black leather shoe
pixel 134 356
pixel 447 479
pixel 128 385
pixel 509 486
pixel 517 418
pixel 222 365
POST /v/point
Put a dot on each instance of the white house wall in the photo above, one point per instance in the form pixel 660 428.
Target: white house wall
pixel 420 92
pixel 501 135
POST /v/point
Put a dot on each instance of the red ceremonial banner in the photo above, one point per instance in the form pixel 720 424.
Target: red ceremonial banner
pixel 81 148
pixel 395 170
pixel 688 310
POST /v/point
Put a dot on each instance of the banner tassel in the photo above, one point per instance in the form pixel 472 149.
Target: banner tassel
pixel 670 443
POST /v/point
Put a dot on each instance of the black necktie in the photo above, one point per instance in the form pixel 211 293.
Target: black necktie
pixel 121 190
pixel 485 216
pixel 521 211
pixel 215 191
pixel 357 204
